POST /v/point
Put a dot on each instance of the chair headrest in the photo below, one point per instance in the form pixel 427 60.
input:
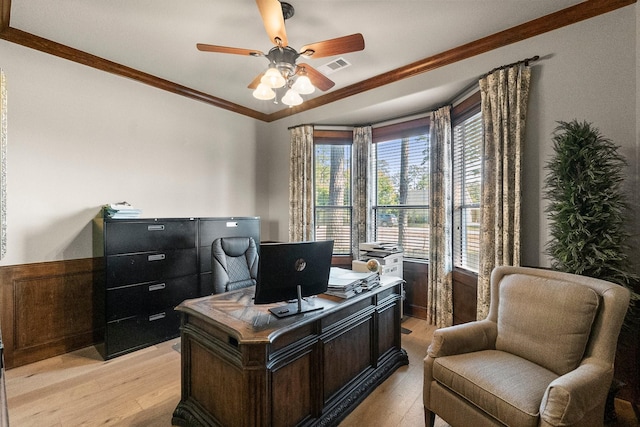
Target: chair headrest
pixel 236 246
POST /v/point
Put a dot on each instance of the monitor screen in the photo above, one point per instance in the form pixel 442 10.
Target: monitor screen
pixel 284 266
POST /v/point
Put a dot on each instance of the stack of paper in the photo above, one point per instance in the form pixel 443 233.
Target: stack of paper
pixel 121 210
pixel 345 283
pixel 384 246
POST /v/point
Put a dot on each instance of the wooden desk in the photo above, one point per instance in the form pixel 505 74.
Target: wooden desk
pixel 241 366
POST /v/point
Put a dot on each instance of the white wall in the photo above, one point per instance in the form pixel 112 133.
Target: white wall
pixel 79 138
pixel 591 76
pixel 588 72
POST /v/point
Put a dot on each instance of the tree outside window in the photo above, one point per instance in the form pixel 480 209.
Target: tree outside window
pixel 332 182
pixel 402 192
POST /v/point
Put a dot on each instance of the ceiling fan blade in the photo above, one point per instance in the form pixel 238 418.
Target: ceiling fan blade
pixel 346 44
pixel 226 49
pixel 318 79
pixel 271 12
pixel 254 84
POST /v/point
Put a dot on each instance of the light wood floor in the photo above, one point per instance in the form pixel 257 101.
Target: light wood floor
pixel 143 388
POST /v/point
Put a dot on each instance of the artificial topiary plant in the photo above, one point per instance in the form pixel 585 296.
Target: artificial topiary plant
pixel 587 208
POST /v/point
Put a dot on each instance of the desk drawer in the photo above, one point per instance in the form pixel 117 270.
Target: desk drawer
pixel 149 298
pixel 123 336
pixel 143 236
pixel 150 266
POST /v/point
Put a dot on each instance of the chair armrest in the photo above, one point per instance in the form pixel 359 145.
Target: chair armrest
pixel 570 397
pixel 464 338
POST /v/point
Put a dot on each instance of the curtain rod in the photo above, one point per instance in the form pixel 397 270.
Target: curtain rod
pixel 502 67
pixel 385 122
pixel 525 61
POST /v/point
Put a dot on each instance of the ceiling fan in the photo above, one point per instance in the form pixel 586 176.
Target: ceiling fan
pixel 284 71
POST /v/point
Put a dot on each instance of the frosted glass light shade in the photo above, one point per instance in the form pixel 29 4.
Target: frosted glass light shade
pixel 273 78
pixel 292 98
pixel 264 92
pixel 303 85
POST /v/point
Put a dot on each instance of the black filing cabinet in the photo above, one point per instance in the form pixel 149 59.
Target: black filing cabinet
pixel 151 266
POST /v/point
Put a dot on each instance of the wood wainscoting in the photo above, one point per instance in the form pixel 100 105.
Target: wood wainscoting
pixel 465 296
pixel 50 308
pixel 416 278
pixel 465 285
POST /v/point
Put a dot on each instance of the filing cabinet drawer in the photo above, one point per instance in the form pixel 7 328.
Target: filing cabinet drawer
pixel 133 333
pixel 146 235
pixel 150 298
pixel 129 269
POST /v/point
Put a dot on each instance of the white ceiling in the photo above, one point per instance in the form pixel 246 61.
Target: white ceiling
pixel 159 36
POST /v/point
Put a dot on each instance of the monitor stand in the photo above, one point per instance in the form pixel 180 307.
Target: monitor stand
pixel 294 308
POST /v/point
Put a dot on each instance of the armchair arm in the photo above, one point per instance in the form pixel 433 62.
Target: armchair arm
pixel 570 397
pixel 464 338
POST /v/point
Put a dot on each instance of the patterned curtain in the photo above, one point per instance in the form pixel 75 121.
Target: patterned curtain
pixel 362 193
pixel 505 93
pixel 301 184
pixel 439 290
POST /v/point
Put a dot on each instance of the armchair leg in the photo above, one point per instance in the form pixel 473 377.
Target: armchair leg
pixel 429 418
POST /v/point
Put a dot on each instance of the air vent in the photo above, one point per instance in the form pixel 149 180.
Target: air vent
pixel 334 66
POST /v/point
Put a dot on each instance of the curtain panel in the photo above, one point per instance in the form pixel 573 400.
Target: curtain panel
pixel 363 193
pixel 301 184
pixel 440 282
pixel 504 94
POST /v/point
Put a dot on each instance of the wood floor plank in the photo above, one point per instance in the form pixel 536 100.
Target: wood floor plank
pixel 142 389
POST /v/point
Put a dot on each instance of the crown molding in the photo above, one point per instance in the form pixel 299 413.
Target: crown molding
pixel 568 16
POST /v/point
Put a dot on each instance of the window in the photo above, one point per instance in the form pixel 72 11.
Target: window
pixel 467 182
pixel 332 188
pixel 401 202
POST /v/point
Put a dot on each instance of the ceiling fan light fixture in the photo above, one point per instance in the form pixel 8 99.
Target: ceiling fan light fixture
pixel 283 72
pixel 264 92
pixel 303 85
pixel 273 78
pixel 292 98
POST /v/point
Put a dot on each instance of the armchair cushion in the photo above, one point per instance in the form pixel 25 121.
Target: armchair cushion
pixel 493 381
pixel 558 323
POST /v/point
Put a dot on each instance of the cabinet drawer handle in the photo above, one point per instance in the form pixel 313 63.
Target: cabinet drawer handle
pixel 158 316
pixel 158 227
pixel 156 257
pixel 158 287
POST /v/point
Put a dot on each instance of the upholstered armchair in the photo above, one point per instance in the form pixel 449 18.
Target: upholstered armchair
pixel 234 263
pixel 542 357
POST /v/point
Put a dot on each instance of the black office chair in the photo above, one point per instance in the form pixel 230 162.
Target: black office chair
pixel 234 263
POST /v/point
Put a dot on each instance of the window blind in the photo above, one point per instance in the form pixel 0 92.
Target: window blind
pixel 467 183
pixel 332 189
pixel 401 207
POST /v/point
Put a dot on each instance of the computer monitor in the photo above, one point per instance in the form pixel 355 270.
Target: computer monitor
pixel 291 271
